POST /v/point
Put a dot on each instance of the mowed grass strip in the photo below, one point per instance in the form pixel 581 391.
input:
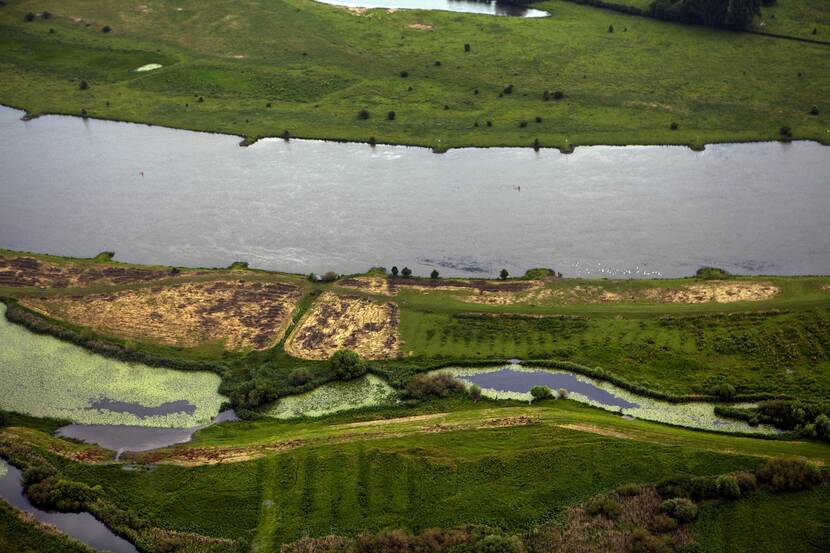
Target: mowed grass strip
pixel 317 66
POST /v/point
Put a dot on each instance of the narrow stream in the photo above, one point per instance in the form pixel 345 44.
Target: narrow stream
pixel 82 526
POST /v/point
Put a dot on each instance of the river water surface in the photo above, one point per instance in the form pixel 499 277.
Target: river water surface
pixel 75 187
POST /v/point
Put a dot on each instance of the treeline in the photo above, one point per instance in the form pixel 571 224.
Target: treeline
pixel 726 14
pixel 810 419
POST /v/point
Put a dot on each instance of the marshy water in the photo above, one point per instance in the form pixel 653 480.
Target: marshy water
pixel 82 526
pixel 515 381
pixel 488 7
pixel 75 187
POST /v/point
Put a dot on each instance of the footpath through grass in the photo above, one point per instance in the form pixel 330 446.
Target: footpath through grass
pixel 263 67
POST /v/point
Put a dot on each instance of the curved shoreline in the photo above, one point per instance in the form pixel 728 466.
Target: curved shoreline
pixel 246 141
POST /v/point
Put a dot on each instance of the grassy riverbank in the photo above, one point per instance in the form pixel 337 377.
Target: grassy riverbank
pixel 261 68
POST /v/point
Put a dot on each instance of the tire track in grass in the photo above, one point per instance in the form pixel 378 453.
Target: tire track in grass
pixel 279 475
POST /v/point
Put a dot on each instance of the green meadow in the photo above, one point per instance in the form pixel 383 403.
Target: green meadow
pixel 262 68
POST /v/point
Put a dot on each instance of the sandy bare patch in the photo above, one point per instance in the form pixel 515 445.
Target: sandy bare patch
pixel 148 67
pixel 722 292
pixel 25 271
pixel 354 10
pixel 593 429
pixel 336 322
pixel 420 26
pixel 243 314
pixel 387 422
pixel 373 285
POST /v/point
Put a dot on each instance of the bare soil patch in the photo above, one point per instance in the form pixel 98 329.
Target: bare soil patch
pixel 242 314
pixel 23 271
pixel 420 26
pixel 373 285
pixel 336 322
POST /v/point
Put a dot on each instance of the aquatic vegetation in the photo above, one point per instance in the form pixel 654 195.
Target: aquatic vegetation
pixel 694 415
pixel 45 377
pixel 366 391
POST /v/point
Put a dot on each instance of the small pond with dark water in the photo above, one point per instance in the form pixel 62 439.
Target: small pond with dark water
pixel 82 526
pixel 464 6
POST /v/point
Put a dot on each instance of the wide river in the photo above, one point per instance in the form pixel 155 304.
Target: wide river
pixel 154 195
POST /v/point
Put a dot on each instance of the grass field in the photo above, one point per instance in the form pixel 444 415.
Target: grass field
pixel 317 66
pixel 792 522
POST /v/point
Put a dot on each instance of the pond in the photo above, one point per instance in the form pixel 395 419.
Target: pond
pixel 122 438
pixel 334 397
pixel 82 526
pixel 488 7
pixel 514 382
pixel 46 377
pixel 308 205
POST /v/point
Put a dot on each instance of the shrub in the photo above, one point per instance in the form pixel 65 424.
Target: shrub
pixel 629 490
pixel 680 508
pixel 746 482
pixel 711 272
pixel 346 365
pixel 4 418
pixel 404 74
pixel 642 541
pixel 489 123
pixel 37 473
pixel 536 144
pixel 475 393
pixel 437 63
pixel 286 135
pixel 822 423
pixel 63 495
pixel 508 89
pixel 391 115
pixel 540 392
pixel 437 385
pixel 558 95
pixel 466 47
pixel 662 523
pixel 522 124
pixel 45 15
pixel 499 544
pixel 728 487
pixel 363 114
pixel 106 29
pixel 723 390
pixel 329 276
pixel 201 99
pixel 789 475
pixel 83 85
pixel 406 272
pixel 563 393
pixel 394 271
pixel 503 274
pixel 538 119
pixel 814 110
pixel 29 17
pixel 604 506
pixel 785 131
pixel 610 28
pixel 674 126
pixel 703 487
pixel 434 274
pixel 299 377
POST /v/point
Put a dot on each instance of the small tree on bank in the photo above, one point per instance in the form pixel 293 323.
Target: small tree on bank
pixel 504 274
pixel 346 365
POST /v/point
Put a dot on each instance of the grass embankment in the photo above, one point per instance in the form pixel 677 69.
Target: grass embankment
pixel 317 66
pixel 21 533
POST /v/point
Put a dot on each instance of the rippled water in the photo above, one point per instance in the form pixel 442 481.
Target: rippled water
pixel 465 6
pixel 74 187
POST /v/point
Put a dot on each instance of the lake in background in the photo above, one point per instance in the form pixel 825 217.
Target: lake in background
pixel 73 187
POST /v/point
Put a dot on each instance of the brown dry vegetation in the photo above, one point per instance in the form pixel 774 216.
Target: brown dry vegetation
pixel 242 314
pixel 715 292
pixel 584 533
pixel 24 271
pixel 337 322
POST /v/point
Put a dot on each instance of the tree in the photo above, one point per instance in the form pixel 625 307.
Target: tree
pixel 363 114
pixel 298 377
pixel 728 486
pixel 504 274
pixel 346 365
pixel 434 274
pixel 83 85
pixel 406 272
pixel 610 28
pixel 680 508
pixel 391 115
pixel 106 29
pixel 394 271
pixel 540 392
pixel 466 47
